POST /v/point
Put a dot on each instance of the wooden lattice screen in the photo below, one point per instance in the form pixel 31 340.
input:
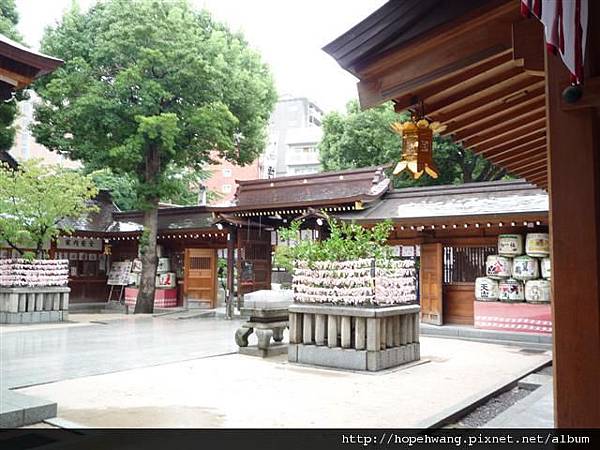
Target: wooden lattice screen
pixel 464 264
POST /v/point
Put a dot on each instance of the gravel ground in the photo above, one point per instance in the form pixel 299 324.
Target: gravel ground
pixel 486 412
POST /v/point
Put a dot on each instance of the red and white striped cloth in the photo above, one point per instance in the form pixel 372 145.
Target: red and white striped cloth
pixel 565 23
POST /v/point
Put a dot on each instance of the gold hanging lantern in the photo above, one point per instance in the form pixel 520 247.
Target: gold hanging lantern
pixel 417 147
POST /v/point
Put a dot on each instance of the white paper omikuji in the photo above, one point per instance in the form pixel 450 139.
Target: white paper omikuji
pixel 36 273
pixel 353 282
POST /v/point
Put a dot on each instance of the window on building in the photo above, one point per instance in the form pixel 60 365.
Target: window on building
pixel 226 172
pixel 226 188
pixel 464 264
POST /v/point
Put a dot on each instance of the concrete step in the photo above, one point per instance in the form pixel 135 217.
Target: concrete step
pixel 17 410
pixel 198 304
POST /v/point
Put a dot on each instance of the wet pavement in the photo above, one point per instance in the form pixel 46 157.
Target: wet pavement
pixel 35 356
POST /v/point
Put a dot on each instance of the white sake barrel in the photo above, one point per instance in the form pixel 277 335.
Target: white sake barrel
pixel 537 291
pixel 537 245
pixel 546 268
pixel 486 289
pixel 510 244
pixel 525 268
pixel 498 267
pixel 510 290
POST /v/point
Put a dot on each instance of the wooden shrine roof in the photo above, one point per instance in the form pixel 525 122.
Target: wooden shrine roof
pixel 321 189
pixel 19 65
pixel 476 66
pixel 474 202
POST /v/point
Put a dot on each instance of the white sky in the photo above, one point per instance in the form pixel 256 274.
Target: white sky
pixel 288 33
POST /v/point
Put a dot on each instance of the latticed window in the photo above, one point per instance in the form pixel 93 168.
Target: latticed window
pixel 464 264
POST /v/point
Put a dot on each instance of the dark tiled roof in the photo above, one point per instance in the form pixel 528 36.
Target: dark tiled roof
pixel 176 218
pixel 98 221
pixel 394 24
pixel 321 189
pixel 8 159
pixel 473 199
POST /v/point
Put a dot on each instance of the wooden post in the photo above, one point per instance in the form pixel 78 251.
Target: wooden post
pixel 231 240
pixel 574 186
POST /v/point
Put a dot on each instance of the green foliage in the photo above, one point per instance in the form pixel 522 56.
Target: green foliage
pixel 180 187
pixel 346 242
pixel 36 203
pixel 364 138
pixel 9 18
pixel 149 76
pixel 8 110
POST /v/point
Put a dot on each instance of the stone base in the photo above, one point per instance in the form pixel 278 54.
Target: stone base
pixel 17 410
pixel 350 359
pixel 33 317
pixel 273 350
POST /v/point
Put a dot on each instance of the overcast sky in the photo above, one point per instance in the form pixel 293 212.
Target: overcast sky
pixel 288 33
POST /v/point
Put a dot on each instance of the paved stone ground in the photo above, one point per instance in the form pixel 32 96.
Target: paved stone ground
pixel 155 372
pixel 43 354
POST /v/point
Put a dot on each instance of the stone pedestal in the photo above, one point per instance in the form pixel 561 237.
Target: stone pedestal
pixel 356 338
pixel 34 304
pixel 268 312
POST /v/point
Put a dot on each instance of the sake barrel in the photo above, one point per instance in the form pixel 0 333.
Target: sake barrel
pixel 537 291
pixel 486 289
pixel 510 290
pixel 510 244
pixel 546 268
pixel 537 245
pixel 498 267
pixel 525 268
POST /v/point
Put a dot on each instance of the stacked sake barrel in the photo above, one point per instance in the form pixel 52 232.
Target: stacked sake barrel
pixel 518 272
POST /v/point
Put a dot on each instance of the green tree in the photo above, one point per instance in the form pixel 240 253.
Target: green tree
pixel 37 202
pixel 8 109
pixel 183 189
pixel 364 138
pixel 148 87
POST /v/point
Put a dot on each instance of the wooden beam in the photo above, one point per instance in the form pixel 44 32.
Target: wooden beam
pixel 524 163
pixel 528 45
pixel 495 88
pixel 486 67
pixel 509 136
pixel 574 184
pixel 535 143
pixel 540 166
pixel 506 109
pixel 525 89
pixel 507 158
pixel 515 144
pixel 519 116
pixel 498 133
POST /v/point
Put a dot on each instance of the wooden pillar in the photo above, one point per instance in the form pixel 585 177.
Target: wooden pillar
pixel 574 187
pixel 231 241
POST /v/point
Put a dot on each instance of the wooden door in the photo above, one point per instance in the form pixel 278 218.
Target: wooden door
pixel 200 279
pixel 431 277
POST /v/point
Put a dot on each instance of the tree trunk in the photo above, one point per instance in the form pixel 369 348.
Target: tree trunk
pixel 145 298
